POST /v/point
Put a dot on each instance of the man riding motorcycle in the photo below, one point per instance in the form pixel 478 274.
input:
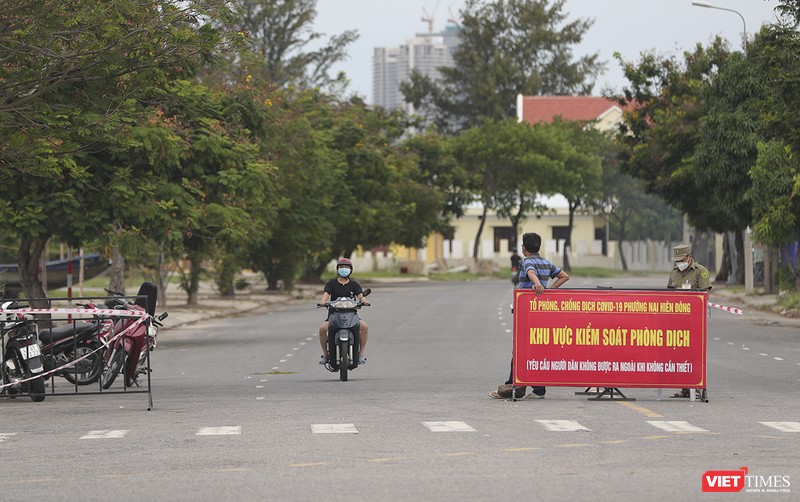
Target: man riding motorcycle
pixel 343 287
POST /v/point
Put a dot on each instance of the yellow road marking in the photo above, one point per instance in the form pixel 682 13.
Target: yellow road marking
pixel 127 474
pixel 461 454
pixel 655 437
pixel 388 459
pixel 311 464
pixel 521 449
pixel 644 411
pixel 27 480
pixel 574 445
pixel 616 441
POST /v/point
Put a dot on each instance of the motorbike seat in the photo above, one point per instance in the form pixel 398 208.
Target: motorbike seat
pixel 67 331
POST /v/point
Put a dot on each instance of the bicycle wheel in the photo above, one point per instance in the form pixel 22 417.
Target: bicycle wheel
pixel 112 369
pixel 88 370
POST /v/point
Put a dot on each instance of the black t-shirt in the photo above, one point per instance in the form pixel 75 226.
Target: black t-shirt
pixel 338 290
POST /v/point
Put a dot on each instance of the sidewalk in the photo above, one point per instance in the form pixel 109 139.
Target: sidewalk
pixel 764 308
pixel 213 306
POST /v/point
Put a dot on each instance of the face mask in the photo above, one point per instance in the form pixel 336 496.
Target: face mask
pixel 343 272
pixel 682 265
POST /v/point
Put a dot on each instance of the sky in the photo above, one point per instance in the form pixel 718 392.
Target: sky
pixel 629 27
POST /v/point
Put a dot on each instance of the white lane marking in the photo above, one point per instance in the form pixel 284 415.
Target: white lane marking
pixel 730 343
pixel 745 348
pixel 295 348
pixel 784 426
pixel 302 343
pixel 309 338
pixel 288 355
pixel 334 429
pixel 675 426
pixel 5 435
pixel 276 367
pixel 508 331
pixel 283 360
pixel 219 431
pixel 563 425
pixel 105 434
pixel 762 354
pixel 259 386
pixel 449 426
pixel 716 338
pixel 778 358
pixel 503 324
pixel 259 399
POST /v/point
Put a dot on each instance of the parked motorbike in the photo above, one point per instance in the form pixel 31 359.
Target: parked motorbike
pixel 128 354
pixel 78 340
pixel 21 360
pixel 343 334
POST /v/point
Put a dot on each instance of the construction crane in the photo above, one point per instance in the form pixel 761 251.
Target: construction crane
pixel 453 19
pixel 428 18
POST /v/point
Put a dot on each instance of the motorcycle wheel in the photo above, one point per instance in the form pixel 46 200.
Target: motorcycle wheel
pixel 36 390
pixel 344 362
pixel 112 369
pixel 87 371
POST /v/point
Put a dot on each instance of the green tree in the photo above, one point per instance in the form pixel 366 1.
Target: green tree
pixel 581 179
pixel 776 180
pixel 689 140
pixel 282 46
pixel 511 164
pixel 507 47
pixel 72 75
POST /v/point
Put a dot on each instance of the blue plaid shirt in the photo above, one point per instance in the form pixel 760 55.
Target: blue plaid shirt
pixel 544 271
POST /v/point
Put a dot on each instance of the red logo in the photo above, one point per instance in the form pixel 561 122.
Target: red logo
pixel 724 481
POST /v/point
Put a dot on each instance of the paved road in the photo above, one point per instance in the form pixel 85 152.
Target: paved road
pixel 244 412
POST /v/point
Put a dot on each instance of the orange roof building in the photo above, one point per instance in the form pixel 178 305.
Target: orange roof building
pixel 607 113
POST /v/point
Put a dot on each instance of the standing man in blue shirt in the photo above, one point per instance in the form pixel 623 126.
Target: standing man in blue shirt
pixel 534 273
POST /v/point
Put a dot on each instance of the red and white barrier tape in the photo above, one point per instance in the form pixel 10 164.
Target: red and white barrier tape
pixel 76 361
pixel 109 312
pixel 732 310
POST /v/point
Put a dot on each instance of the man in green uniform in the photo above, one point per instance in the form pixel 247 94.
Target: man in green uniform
pixel 687 274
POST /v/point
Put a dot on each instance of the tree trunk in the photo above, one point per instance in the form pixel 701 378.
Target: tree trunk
pixel 622 255
pixel 568 240
pixel 116 280
pixel 725 263
pixel 195 269
pixel 480 232
pixel 740 251
pixel 794 265
pixel 29 258
pixel 770 270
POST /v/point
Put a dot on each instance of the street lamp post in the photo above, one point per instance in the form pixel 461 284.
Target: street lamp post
pixel 709 5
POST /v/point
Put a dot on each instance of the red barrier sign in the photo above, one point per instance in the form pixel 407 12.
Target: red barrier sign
pixel 608 338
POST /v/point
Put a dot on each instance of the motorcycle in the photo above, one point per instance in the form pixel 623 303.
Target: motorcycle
pixel 21 360
pixel 79 341
pixel 343 334
pixel 129 354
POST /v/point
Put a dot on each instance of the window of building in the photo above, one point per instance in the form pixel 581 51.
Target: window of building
pixel 501 233
pixel 560 234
